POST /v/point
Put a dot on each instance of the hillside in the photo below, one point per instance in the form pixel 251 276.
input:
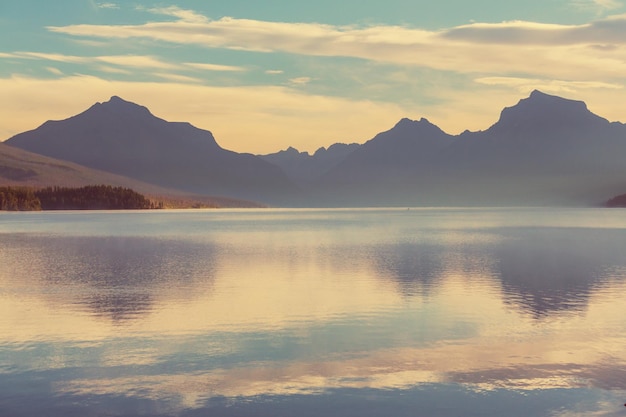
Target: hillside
pixel 22 168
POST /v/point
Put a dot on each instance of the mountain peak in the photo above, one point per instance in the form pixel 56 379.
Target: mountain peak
pixel 541 111
pixel 537 97
pixel 406 122
pixel 120 107
pixel 117 99
pixel 539 94
pixel 422 127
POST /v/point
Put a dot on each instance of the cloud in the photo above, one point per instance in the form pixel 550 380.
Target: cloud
pixel 274 72
pixel 299 81
pixel 598 6
pixel 136 61
pixel 526 85
pixel 107 6
pixel 54 71
pixel 215 67
pixel 132 61
pixel 112 70
pixel 596 49
pixel 177 77
pixel 182 14
pixel 611 30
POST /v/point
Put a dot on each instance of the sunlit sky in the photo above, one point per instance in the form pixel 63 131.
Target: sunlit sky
pixel 265 75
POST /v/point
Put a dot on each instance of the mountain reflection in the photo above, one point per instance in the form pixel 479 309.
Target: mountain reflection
pixel 245 308
pixel 416 269
pixel 119 278
pixel 541 271
pixel 547 271
pixel 420 266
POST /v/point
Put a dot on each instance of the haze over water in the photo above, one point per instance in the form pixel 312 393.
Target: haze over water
pixel 433 312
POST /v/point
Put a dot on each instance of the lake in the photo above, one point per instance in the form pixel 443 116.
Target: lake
pixel 364 312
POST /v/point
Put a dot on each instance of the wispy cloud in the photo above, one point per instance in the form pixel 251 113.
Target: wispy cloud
pixel 609 30
pixel 184 15
pixel 132 61
pixel 107 6
pixel 525 85
pixel 136 61
pixel 124 64
pixel 112 70
pixel 598 6
pixel 215 67
pixel 299 81
pixel 177 77
pixel 274 72
pixel 539 50
pixel 54 70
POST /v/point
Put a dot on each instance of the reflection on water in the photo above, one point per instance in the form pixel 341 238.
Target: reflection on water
pixel 448 312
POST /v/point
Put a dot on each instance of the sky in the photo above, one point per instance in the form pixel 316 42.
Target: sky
pixel 263 75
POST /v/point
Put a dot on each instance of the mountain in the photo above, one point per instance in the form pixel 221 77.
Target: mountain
pixel 543 150
pixel 399 152
pixel 124 138
pixel 26 169
pixel 540 128
pixel 303 168
pixel 23 168
pixel 386 170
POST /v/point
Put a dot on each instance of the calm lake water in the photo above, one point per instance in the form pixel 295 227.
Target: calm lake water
pixel 421 312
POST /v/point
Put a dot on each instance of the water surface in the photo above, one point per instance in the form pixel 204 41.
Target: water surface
pixel 433 312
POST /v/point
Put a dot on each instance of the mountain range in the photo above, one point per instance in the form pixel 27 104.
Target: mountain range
pixel 545 150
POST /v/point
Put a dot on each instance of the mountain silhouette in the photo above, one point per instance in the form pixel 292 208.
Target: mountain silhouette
pixel 539 128
pixel 124 138
pixel 544 150
pixel 303 168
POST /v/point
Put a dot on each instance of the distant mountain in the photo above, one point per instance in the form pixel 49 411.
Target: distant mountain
pixel 544 150
pixel 399 152
pixel 541 129
pixel 386 170
pixel 303 168
pixel 126 139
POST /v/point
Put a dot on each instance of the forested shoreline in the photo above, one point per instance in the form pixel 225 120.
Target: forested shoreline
pixel 91 197
pixel 617 201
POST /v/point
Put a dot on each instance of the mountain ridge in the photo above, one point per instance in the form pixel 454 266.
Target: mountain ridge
pixel 543 150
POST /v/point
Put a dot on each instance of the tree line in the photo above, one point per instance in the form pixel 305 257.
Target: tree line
pixel 618 201
pixel 91 197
